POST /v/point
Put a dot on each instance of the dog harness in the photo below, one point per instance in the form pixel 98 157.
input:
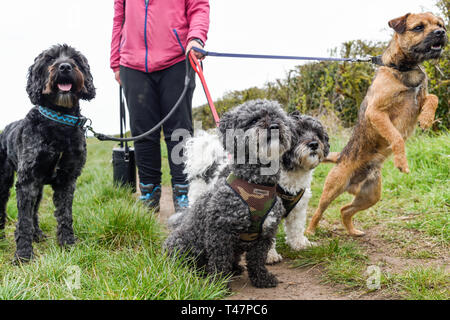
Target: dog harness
pixel 260 200
pixel 289 200
pixel 63 118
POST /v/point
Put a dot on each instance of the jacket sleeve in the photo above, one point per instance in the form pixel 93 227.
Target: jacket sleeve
pixel 118 20
pixel 198 18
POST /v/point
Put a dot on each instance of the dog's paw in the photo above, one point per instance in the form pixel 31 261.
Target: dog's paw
pixel 273 257
pixel 425 121
pixel 357 233
pixel 68 241
pixel 266 280
pixel 39 236
pixel 237 270
pixel 300 243
pixel 23 257
pixel 310 231
pixel 401 164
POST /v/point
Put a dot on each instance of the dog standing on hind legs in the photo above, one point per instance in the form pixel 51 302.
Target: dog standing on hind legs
pixel 48 146
pixel 396 100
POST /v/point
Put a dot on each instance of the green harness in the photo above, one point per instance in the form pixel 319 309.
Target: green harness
pixel 289 200
pixel 260 200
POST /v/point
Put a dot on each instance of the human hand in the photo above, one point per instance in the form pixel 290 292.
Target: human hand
pixel 117 76
pixel 194 43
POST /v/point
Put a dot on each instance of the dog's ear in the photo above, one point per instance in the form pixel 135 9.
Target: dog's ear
pixel 399 24
pixel 443 23
pixel 326 144
pixel 227 122
pixel 36 79
pixel 88 90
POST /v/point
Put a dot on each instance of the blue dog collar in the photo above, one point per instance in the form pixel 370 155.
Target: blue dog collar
pixel 63 118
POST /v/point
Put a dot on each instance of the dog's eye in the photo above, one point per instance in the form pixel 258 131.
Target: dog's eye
pixel 418 28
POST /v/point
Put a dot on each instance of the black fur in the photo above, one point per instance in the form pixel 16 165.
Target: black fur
pixel 43 151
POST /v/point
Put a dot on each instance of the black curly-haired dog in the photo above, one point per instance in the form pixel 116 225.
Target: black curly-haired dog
pixel 48 146
pixel 215 230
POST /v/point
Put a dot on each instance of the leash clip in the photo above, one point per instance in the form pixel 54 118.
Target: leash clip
pixel 366 59
pixel 82 121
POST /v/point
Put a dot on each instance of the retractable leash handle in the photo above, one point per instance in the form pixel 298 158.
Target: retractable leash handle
pixel 198 69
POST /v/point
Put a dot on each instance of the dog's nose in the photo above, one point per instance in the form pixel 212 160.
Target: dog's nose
pixel 313 145
pixel 274 126
pixel 65 67
pixel 439 32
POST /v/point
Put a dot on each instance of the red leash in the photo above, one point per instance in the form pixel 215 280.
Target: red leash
pixel 198 69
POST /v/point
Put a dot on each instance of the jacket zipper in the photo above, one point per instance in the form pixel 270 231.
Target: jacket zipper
pixel 145 36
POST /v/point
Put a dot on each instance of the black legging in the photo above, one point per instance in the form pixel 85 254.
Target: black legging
pixel 150 96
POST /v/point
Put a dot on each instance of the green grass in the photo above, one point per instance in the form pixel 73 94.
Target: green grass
pixel 118 254
pixel 421 283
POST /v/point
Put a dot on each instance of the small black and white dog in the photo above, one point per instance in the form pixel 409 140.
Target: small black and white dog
pixel 240 213
pixel 48 146
pixel 207 161
pixel 310 147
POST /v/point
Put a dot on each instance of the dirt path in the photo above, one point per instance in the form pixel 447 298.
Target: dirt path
pixel 295 284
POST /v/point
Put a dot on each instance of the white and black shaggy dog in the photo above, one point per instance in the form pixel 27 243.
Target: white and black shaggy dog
pixel 240 213
pixel 206 161
pixel 48 146
pixel 309 148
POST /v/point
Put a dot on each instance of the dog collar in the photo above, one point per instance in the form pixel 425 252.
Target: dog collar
pixel 59 117
pixel 402 68
pixel 289 200
pixel 260 200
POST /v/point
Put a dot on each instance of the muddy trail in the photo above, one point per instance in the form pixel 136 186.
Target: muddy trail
pixel 295 283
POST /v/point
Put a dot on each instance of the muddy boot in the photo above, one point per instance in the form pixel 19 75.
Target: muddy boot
pixel 180 196
pixel 150 195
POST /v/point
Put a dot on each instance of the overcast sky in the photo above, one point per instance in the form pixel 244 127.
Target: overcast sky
pixel 283 27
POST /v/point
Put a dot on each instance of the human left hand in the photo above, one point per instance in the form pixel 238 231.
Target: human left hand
pixel 194 43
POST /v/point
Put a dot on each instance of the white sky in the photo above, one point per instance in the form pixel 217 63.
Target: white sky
pixel 283 27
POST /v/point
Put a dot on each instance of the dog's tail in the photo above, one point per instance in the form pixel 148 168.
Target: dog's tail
pixel 202 152
pixel 333 157
pixel 204 156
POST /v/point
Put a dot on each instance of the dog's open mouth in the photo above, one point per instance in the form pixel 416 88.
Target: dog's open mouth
pixel 436 47
pixel 64 87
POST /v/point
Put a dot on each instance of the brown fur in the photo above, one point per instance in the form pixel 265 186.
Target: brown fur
pixel 397 99
pixel 64 100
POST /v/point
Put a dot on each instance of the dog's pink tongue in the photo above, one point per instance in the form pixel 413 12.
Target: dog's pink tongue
pixel 64 86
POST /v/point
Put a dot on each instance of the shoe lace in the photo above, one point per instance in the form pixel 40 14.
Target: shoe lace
pixel 149 195
pixel 183 201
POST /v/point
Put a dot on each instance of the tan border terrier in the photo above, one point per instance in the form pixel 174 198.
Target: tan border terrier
pixel 397 99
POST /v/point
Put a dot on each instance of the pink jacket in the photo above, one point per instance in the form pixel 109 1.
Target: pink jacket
pixel 143 37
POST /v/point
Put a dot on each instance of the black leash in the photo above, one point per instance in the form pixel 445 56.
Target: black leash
pixel 187 81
